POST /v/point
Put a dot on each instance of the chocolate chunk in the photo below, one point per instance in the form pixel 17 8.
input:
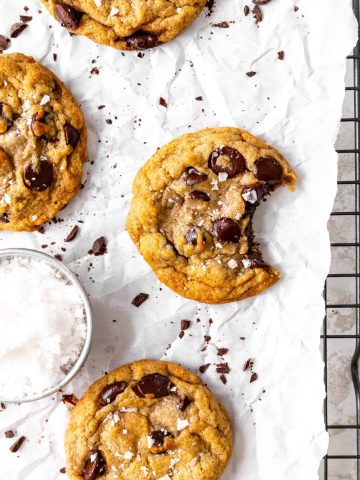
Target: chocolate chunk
pixel 141 40
pixel 226 230
pixel 17 445
pixel 246 10
pixel 222 351
pixel 251 74
pixel 253 261
pixel 268 169
pixel 99 247
pixel 72 234
pixel 4 43
pixel 94 467
pixel 185 324
pixel 71 135
pixel 199 98
pixel 17 28
pixel 227 160
pixel 67 16
pixel 25 18
pixel 258 15
pixel 9 434
pixel 253 377
pixel 153 384
pixel 191 236
pixel 193 176
pixel 197 195
pixel 163 102
pixel 110 392
pixel 184 403
pixel 158 437
pixel 140 299
pixel 40 179
pixel 261 2
pixel 281 55
pixel 4 218
pixel 203 368
pixel 223 368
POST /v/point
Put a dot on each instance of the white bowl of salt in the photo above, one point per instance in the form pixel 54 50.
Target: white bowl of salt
pixel 45 325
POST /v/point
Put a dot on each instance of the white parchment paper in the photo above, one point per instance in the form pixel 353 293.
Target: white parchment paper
pixel 295 104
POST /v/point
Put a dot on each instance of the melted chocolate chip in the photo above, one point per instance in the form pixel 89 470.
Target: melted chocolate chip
pixel 94 466
pixel 197 195
pixel 226 230
pixel 193 176
pixel 184 403
pixel 153 384
pixel 235 164
pixel 191 236
pixel 253 261
pixel 158 437
pixel 268 169
pixel 141 40
pixel 110 392
pixel 71 135
pixel 67 16
pixel 4 218
pixel 40 179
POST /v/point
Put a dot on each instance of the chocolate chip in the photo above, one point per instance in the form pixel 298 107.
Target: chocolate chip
pixel 197 195
pixel 222 351
pixel 261 2
pixel 253 377
pixel 40 179
pixel 226 230
pixel 110 392
pixel 17 445
pixel 72 234
pixel 163 102
pixel 4 218
pixel 17 28
pixel 281 55
pixel 258 15
pixel 253 261
pixel 203 368
pixel 71 135
pixel 251 74
pixel 94 466
pixel 227 160
pixel 191 236
pixel 158 437
pixel 268 169
pixel 4 43
pixel 99 247
pixel 246 10
pixel 184 403
pixel 193 176
pixel 141 40
pixel 153 384
pixel 9 434
pixel 185 324
pixel 67 16
pixel 140 299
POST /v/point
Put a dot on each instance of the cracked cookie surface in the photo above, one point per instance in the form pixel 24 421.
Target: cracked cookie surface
pixel 192 209
pixel 42 144
pixel 149 420
pixel 125 24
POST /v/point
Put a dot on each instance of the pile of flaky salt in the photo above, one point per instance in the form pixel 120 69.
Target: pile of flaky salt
pixel 42 327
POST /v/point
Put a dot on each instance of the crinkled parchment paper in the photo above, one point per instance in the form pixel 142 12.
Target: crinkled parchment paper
pixel 295 104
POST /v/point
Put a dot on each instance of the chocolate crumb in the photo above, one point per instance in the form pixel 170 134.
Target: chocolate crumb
pixel 2 406
pixel 296 8
pixel 163 102
pixel 25 18
pixel 281 55
pixel 70 400
pixel 250 74
pixel 181 334
pixel 223 368
pixel 72 234
pixel 203 368
pixel 246 10
pixel 9 434
pixel 258 15
pixel 17 445
pixel 221 25
pixel 4 43
pixel 248 364
pixel 140 299
pixel 185 324
pixel 253 377
pixel 100 107
pixel 207 338
pixel 62 470
pixel 58 257
pixel 108 121
pixel 223 379
pixel 99 247
pixel 222 351
pixel 17 28
pixel 261 2
pixel 55 56
pixel 199 98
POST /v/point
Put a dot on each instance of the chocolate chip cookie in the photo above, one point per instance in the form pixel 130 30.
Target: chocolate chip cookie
pixel 125 24
pixel 42 144
pixel 192 210
pixel 148 420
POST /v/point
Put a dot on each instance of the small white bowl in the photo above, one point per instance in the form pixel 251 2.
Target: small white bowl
pixel 71 277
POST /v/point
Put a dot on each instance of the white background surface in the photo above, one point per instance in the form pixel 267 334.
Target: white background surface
pixel 294 104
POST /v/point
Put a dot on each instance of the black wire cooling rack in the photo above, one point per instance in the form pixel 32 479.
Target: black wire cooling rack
pixel 341 328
